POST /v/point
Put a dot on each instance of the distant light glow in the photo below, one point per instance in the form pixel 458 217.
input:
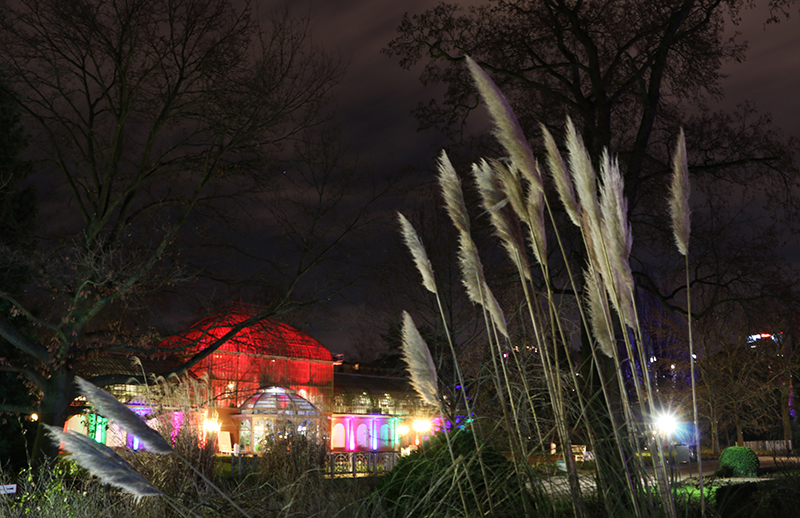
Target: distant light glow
pixel 666 424
pixel 210 425
pixel 34 417
pixel 402 429
pixel 421 425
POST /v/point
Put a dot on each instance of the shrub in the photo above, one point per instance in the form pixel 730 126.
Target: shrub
pixel 737 461
pixel 428 482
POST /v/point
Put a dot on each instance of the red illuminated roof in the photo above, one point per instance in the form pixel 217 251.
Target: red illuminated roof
pixel 267 337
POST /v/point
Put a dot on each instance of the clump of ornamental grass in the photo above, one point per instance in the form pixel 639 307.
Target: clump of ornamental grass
pixel 512 195
pixel 59 488
pixel 108 466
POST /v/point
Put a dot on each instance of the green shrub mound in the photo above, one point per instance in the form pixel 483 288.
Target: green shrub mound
pixel 429 483
pixel 737 461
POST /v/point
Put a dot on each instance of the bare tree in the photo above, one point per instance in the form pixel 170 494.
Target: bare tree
pixel 629 74
pixel 140 108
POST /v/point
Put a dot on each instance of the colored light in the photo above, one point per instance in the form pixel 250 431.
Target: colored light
pixel 351 435
pixel 34 417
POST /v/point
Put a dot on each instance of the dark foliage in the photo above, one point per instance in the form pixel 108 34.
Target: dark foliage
pixel 428 482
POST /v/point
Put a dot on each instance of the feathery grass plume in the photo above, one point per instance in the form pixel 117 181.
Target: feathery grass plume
pixel 679 196
pixel 103 462
pixel 495 190
pixel 561 178
pixel 582 173
pixel 420 364
pixel 617 235
pixel 471 267
pixel 499 186
pixel 113 410
pixel 507 129
pixel 495 311
pixel 538 235
pixel 599 315
pixel 452 194
pixel 414 244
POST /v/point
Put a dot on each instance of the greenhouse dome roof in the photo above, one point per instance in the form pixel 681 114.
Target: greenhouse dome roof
pixel 266 337
pixel 278 401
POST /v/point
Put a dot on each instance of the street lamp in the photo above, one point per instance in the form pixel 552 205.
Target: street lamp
pixel 666 424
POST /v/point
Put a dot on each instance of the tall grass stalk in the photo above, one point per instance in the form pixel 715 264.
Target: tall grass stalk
pixel 681 229
pixel 425 268
pixel 512 195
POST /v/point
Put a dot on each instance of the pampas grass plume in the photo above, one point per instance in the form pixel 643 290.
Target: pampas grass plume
pixel 103 462
pixel 495 311
pixel 679 196
pixel 598 313
pixel 561 178
pixel 617 236
pixel 538 235
pixel 420 364
pixel 582 173
pixel 452 194
pixel 414 244
pixel 498 185
pixel 113 410
pixel 507 129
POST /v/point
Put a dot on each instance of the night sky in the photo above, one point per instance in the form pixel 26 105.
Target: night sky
pixel 376 95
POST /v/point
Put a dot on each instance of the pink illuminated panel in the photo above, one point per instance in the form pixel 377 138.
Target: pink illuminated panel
pixel 362 432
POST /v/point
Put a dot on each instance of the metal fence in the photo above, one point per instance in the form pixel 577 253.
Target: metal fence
pixel 340 464
pixel 361 463
pixel 771 446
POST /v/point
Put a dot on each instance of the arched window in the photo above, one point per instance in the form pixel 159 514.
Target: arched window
pixel 338 436
pixel 385 436
pixel 362 436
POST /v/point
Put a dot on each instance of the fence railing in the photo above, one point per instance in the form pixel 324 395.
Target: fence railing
pixel 339 464
pixel 771 446
pixel 361 463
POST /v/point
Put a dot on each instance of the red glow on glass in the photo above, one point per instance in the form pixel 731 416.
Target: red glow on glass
pixel 265 353
pixel 765 335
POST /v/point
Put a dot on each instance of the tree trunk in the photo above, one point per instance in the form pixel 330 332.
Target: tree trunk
pixel 605 422
pixel 58 394
pixel 739 435
pixel 714 431
pixel 785 417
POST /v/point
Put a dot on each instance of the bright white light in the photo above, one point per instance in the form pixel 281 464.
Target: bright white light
pixel 34 417
pixel 402 429
pixel 211 426
pixel 666 424
pixel 421 426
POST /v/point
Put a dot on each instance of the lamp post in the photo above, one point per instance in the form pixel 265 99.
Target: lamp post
pixel 666 424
